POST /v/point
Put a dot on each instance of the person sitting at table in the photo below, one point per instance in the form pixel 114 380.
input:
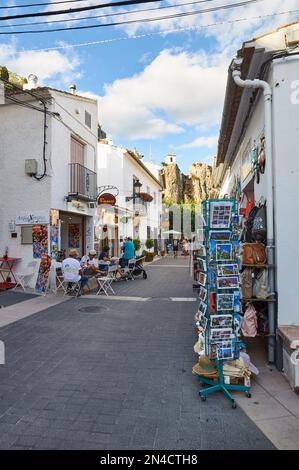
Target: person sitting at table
pixel 72 271
pixel 89 263
pixel 104 261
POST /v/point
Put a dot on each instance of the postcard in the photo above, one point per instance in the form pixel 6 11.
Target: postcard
pixel 227 269
pixel 202 308
pixel 202 279
pixel 220 334
pixel 228 282
pixel 225 302
pixel 225 351
pixel 223 251
pixel 220 235
pixel 202 293
pixel 220 214
pixel 221 321
pixel 202 264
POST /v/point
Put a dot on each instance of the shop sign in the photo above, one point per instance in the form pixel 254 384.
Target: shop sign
pixel 79 206
pixel 32 218
pixel 107 198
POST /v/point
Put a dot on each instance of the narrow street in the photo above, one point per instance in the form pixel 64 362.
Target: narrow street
pixel 98 373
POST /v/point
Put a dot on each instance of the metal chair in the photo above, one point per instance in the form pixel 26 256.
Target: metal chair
pixel 71 288
pixel 130 269
pixel 23 278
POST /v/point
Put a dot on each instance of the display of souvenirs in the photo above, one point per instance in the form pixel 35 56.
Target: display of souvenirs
pixel 219 293
pixel 39 240
pixel 43 274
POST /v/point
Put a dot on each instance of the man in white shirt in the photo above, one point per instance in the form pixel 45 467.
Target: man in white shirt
pixel 72 271
pixel 89 263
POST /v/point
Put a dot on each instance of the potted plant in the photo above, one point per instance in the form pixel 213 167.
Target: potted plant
pixel 137 244
pixel 149 243
pixel 149 256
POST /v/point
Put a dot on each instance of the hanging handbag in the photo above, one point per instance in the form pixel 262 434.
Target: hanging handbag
pixel 259 225
pixel 249 324
pixel 246 283
pixel 260 284
pixel 254 253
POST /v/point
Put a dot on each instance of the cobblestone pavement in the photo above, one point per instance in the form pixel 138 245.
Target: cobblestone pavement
pixel 102 374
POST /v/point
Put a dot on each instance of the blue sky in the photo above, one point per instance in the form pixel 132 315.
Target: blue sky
pixel 162 92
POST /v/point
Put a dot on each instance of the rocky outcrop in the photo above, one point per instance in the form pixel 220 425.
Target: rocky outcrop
pixel 195 187
pixel 173 182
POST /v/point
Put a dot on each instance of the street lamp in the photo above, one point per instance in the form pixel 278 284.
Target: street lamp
pixel 136 191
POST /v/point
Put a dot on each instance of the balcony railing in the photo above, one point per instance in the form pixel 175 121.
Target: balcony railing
pixel 83 182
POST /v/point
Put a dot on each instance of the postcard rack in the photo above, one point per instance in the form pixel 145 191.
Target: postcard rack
pixel 219 292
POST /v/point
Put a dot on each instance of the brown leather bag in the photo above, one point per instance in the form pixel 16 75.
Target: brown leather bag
pixel 254 253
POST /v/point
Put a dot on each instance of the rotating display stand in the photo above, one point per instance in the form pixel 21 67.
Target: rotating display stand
pixel 218 281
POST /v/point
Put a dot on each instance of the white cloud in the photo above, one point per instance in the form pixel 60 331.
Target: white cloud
pixel 173 91
pixel 204 141
pixel 47 65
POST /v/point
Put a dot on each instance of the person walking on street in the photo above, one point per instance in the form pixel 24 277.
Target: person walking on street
pixel 175 248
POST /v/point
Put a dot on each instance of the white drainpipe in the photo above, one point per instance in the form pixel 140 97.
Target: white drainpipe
pixel 236 74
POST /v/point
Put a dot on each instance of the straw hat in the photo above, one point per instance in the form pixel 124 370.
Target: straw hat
pixel 205 366
pixel 92 252
pixel 73 253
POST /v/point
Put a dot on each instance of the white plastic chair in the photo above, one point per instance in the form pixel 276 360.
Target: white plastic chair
pixel 23 278
pixel 105 282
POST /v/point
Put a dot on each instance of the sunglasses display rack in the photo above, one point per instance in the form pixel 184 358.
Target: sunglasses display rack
pixel 218 281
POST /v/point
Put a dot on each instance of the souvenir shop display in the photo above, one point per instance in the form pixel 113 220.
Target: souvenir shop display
pixel 218 319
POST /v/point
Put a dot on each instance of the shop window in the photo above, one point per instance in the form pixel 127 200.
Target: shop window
pixel 26 235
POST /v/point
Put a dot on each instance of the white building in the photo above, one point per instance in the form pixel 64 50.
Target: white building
pixel 48 147
pixel 137 218
pixel 251 118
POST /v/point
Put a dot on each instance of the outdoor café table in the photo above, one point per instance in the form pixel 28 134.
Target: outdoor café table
pixel 6 272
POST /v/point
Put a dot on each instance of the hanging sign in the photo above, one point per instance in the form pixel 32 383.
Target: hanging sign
pixel 107 198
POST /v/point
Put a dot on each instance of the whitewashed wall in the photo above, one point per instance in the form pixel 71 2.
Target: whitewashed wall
pixel 21 138
pixel 116 169
pixel 286 180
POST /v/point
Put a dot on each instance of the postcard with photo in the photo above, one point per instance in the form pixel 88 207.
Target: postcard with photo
pixel 202 279
pixel 223 251
pixel 225 302
pixel 202 293
pixel 220 235
pixel 225 352
pixel 201 251
pixel 220 334
pixel 227 269
pixel 202 264
pixel 202 308
pixel 221 321
pixel 228 282
pixel 220 214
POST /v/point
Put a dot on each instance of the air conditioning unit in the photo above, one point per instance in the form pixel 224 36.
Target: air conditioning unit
pixel 92 205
